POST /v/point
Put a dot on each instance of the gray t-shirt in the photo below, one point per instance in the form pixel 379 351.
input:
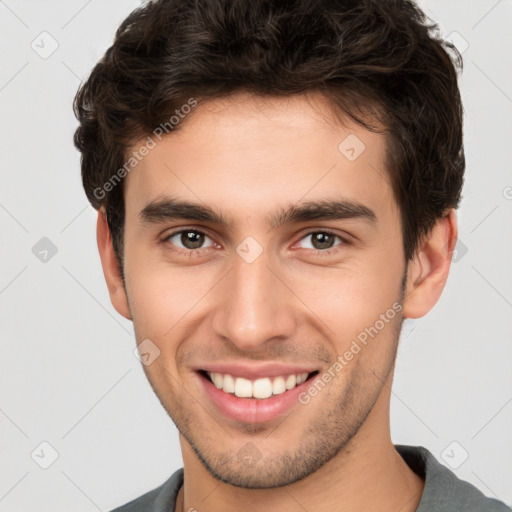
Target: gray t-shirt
pixel 443 492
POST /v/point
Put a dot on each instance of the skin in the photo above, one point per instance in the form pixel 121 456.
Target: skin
pixel 248 157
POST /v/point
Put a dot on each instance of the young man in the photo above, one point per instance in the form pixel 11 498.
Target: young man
pixel 276 185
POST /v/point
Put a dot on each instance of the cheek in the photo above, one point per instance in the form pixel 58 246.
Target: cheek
pixel 165 300
pixel 345 300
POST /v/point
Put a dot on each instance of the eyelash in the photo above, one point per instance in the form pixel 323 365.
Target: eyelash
pixel 195 252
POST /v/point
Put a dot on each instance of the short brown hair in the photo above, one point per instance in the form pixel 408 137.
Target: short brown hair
pixel 374 59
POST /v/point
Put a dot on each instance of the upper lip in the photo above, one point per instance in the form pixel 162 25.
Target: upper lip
pixel 254 371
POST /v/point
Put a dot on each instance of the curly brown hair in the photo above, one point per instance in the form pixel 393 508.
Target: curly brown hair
pixel 381 60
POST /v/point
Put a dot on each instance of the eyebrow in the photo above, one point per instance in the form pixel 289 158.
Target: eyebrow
pixel 168 208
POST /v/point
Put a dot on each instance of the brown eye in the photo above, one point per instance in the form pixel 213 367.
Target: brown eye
pixel 322 240
pixel 188 239
pixel 192 239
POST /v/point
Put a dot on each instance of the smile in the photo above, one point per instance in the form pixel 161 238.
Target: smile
pixel 259 388
pixel 254 398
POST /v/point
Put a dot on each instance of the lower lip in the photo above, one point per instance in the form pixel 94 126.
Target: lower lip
pixel 253 410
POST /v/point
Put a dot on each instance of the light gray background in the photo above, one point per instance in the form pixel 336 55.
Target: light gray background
pixel 68 374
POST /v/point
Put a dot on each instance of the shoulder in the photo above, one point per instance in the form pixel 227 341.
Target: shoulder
pixel 160 499
pixel 444 491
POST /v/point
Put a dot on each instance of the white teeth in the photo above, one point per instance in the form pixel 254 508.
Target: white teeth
pixel 278 386
pixel 301 378
pixel 217 379
pixel 291 382
pixel 259 388
pixel 243 388
pixel 262 388
pixel 229 384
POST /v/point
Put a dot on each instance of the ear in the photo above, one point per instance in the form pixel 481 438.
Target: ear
pixel 110 266
pixel 428 271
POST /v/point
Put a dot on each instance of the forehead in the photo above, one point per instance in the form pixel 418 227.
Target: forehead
pixel 250 156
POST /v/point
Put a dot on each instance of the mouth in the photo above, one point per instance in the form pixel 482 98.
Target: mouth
pixel 254 398
pixel 261 388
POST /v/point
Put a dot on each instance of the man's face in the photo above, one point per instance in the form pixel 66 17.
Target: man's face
pixel 261 301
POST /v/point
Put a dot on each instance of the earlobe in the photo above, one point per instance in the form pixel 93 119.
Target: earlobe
pixel 428 271
pixel 110 266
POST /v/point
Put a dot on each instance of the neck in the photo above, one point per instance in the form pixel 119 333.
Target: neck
pixel 367 474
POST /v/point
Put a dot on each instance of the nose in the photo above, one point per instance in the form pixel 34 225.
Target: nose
pixel 255 306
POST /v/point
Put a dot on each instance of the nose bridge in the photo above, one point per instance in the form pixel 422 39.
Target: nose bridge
pixel 255 305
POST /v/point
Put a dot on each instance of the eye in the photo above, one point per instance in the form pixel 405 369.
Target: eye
pixel 188 239
pixel 323 241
